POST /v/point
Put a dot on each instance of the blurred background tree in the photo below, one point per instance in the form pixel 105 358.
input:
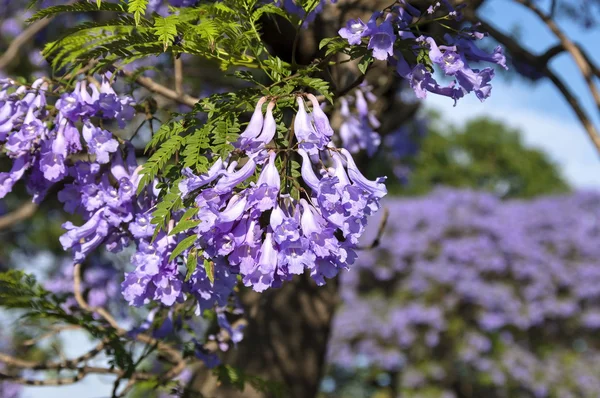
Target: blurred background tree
pixel 485 155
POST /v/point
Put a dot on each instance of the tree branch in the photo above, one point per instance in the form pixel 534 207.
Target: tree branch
pixel 569 46
pixel 22 213
pixel 13 49
pixel 179 76
pixel 540 62
pixel 166 92
pixel 173 354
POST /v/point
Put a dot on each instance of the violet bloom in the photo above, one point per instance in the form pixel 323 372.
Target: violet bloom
pixel 309 137
pixel 382 38
pixel 52 164
pixel 263 274
pixel 353 31
pixel 82 240
pixel 8 180
pixel 100 142
pixel 307 172
pixel 356 132
pixel 269 127
pixel 476 80
pixel 254 126
pixel 230 179
pixel 450 61
pixel 264 196
pixel 21 142
pixel 320 119
pixel 375 188
pixel 193 182
pixel 141 227
pixel 421 81
pixel 155 277
pixel 470 50
pixel 70 105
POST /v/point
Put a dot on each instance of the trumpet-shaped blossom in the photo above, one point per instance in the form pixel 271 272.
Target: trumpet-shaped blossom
pixel 452 57
pixel 353 31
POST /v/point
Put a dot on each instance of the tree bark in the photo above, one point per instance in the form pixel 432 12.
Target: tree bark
pixel 285 340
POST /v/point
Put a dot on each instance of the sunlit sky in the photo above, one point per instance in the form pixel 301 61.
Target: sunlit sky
pixel 537 110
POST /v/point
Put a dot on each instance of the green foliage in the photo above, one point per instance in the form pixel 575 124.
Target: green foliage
pixel 234 377
pixel 19 290
pixel 183 246
pixel 486 155
pixel 137 8
pixel 81 6
pixel 209 267
pixel 185 223
pixel 166 29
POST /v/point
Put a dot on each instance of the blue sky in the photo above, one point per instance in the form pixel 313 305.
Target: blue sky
pixel 537 110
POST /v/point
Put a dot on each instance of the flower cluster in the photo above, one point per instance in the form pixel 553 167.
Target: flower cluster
pixel 101 187
pixel 248 225
pixel 41 153
pixel 259 229
pixel 506 291
pixel 391 36
pixel 357 131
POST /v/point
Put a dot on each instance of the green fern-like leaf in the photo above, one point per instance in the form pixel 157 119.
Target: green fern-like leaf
pixel 137 8
pixel 81 6
pixel 166 29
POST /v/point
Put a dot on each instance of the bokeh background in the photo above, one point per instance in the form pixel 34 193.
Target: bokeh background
pixel 486 280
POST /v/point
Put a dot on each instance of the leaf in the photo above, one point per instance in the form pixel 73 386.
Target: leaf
pixel 269 9
pixel 137 8
pixel 183 246
pixel 364 63
pixel 325 42
pixel 166 29
pixel 185 223
pixel 183 226
pixel 209 267
pixel 81 6
pixel 191 264
pixel 99 3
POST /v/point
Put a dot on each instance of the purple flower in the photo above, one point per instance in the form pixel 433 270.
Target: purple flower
pixel 8 180
pixel 375 188
pixel 82 240
pixel 382 38
pixel 264 196
pixel 100 142
pixel 309 137
pixel 353 31
pixel 193 182
pixel 230 179
pixel 254 126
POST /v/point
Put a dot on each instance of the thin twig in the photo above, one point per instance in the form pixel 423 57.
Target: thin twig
pixel 166 92
pixel 55 330
pixel 576 54
pixel 13 49
pixel 380 230
pixel 22 213
pixel 179 76
pixel 577 108
pixel 541 64
pixel 173 355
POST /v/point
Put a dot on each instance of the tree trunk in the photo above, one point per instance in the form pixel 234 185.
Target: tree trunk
pixel 285 340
